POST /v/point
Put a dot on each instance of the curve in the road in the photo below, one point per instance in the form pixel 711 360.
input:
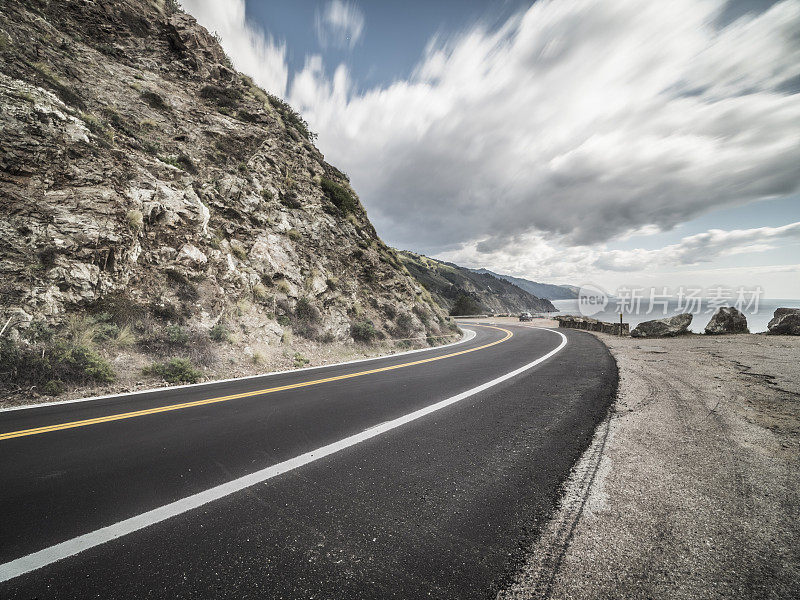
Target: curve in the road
pixel 281 388
pixel 47 556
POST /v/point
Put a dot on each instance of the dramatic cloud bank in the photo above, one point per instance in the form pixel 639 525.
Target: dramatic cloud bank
pixel 575 123
pixel 339 24
pixel 582 118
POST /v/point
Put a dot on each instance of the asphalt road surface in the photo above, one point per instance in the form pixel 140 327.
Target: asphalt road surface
pixel 423 475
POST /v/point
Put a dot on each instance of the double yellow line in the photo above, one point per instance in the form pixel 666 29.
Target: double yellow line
pixel 151 411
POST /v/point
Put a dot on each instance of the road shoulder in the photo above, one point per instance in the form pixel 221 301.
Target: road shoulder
pixel 689 488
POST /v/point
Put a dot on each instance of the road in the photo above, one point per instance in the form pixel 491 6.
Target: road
pixel 417 475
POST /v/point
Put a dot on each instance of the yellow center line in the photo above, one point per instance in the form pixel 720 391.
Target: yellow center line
pixel 291 386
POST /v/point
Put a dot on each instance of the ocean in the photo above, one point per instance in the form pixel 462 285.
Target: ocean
pixel 756 321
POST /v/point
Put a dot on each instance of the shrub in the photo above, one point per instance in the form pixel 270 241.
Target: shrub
pixel 238 251
pixel 363 331
pixel 306 319
pixel 284 321
pixel 464 305
pixel 119 309
pixel 89 364
pixel 135 219
pixel 305 311
pixel 219 333
pixel 405 324
pixel 106 331
pixel 195 346
pixel 124 337
pixel 54 387
pixel 51 366
pixel 339 196
pixel 291 117
pixel 390 311
pixel 260 293
pixel 421 315
pixel 154 100
pixel 176 335
pixel 152 148
pixel 294 235
pixel 80 330
pixel 176 370
pixel 226 97
pixel 291 200
pixel 172 6
pixel 170 159
pixel 300 360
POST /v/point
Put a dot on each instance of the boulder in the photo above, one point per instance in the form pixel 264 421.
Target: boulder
pixel 785 321
pixel 727 319
pixel 669 327
pixel 590 324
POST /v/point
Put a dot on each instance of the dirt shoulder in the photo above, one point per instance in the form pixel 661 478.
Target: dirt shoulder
pixel 690 488
pixel 226 360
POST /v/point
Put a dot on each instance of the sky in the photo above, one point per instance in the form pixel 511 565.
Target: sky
pixel 613 142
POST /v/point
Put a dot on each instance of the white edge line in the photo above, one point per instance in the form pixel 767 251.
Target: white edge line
pixel 42 558
pixel 468 334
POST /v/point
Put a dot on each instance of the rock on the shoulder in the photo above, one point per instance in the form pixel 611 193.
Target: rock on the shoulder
pixel 669 327
pixel 785 321
pixel 727 319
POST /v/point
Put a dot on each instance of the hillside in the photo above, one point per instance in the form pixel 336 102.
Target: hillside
pixel 145 184
pixel 542 290
pixel 463 291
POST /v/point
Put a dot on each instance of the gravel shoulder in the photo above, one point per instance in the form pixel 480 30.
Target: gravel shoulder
pixel 690 488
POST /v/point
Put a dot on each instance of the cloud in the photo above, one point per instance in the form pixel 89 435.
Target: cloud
pixel 541 258
pixel 580 119
pixel 252 51
pixel 339 24
pixel 574 123
pixel 699 248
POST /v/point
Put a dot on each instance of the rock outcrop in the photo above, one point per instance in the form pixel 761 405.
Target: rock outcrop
pixel 468 292
pixel 785 321
pixel 139 169
pixel 727 319
pixel 589 324
pixel 669 327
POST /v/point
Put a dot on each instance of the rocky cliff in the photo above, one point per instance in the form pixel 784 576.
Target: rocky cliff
pixel 463 291
pixel 140 173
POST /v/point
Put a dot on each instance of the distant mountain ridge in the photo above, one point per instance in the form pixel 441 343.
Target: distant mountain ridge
pixel 542 290
pixel 463 291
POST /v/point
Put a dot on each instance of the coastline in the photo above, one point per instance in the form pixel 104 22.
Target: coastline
pixel 689 488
